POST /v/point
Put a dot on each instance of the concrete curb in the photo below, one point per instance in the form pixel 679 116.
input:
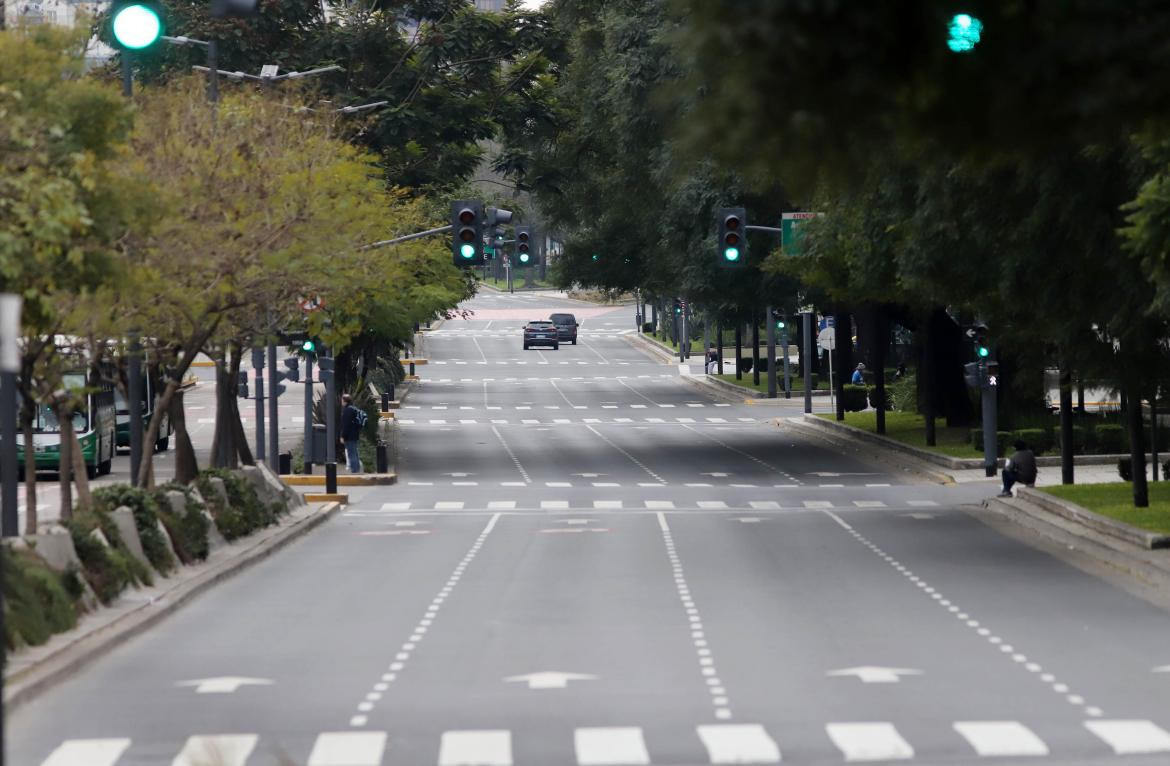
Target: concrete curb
pixel 345 480
pixel 661 352
pixel 750 396
pixel 1094 521
pixel 27 682
pixel 873 450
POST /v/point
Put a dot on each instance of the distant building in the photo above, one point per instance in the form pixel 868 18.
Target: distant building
pixel 63 13
pixel 492 6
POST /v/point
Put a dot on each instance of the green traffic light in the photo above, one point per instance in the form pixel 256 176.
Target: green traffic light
pixel 983 352
pixel 137 26
pixel 596 257
pixel 731 254
pixel 467 250
pixel 965 31
pixel 524 257
pixel 308 346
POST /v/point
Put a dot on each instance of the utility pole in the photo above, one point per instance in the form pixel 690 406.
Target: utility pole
pixel 806 358
pixel 787 368
pixel 326 363
pixel 258 367
pixel 755 345
pixel 273 415
pixel 719 345
pixel 771 353
pixel 309 456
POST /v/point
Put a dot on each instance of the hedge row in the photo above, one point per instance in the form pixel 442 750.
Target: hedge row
pixel 1100 439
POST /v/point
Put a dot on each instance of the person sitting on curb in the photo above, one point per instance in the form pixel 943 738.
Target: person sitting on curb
pixel 858 378
pixel 1020 467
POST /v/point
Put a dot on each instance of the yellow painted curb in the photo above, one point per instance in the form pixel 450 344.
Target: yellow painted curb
pixel 415 362
pixel 350 480
pixel 198 363
pixel 387 416
pixel 412 377
pixel 324 497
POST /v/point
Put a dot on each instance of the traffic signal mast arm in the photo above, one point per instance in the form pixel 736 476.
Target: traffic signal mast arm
pixel 773 229
pixel 406 238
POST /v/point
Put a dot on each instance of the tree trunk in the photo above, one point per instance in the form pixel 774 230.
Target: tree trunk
pixel 186 462
pixel 30 471
pixel 738 349
pixel 80 473
pixel 843 349
pixel 1137 447
pixel 65 461
pixel 1154 433
pixel 881 333
pixel 1067 470
pixel 243 452
pixel 926 385
pixel 755 345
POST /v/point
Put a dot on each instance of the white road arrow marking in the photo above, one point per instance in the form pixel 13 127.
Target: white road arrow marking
pixel 1162 669
pixel 829 473
pixel 748 519
pixel 549 679
pixel 869 674
pixel 224 684
pixel 919 516
pixel 717 474
pixel 459 475
pixel 574 521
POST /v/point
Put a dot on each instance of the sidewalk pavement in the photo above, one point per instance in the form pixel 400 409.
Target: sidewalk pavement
pixel 1048 475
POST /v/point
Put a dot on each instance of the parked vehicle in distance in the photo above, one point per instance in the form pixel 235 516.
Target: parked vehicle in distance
pixel 541 332
pixel 566 327
pixel 93 423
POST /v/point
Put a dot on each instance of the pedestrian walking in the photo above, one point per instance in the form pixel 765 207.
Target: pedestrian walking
pixel 858 378
pixel 712 359
pixel 353 419
pixel 1020 467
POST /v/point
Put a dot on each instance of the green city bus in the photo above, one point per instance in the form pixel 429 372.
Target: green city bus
pixel 94 425
pixel 149 402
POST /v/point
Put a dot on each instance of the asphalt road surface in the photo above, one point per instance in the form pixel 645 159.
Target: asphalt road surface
pixel 589 560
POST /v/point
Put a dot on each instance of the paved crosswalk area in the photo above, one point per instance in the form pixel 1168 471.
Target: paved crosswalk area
pixel 648 504
pixel 743 743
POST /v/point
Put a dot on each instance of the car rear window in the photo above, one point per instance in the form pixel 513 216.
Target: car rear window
pixel 563 319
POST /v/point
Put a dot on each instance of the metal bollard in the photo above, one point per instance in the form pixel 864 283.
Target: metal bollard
pixel 285 463
pixel 385 401
pixel 391 394
pixel 331 478
pixel 412 367
pixel 383 458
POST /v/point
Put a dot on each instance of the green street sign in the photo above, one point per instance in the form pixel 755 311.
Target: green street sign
pixel 790 230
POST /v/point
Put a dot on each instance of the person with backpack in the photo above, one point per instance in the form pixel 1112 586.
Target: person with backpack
pixel 353 420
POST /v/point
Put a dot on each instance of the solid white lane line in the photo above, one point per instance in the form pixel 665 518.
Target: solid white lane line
pixel 748 455
pixel 1131 737
pixel 485 747
pixel 739 743
pixel 220 749
pixel 610 746
pixel 562 393
pixel 1001 738
pixel 869 741
pixel 88 752
pixel 636 391
pixel 479 349
pixel 348 748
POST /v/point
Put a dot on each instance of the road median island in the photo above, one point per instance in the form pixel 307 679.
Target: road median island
pixel 76 591
pixel 873 446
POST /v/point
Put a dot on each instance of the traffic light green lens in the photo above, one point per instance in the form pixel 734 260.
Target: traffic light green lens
pixel 523 257
pixel 467 251
pixel 308 346
pixel 965 31
pixel 984 352
pixel 137 26
pixel 731 254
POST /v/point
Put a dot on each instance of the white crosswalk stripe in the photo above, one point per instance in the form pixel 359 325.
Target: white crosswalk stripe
pixel 220 749
pixel 764 505
pixel 659 505
pixel 869 504
pixel 88 752
pixel 869 741
pixel 738 743
pixel 486 747
pixel 1001 738
pixel 348 748
pixel 922 503
pixel 395 506
pixel 1131 737
pixel 501 505
pixel 610 504
pixel 610 746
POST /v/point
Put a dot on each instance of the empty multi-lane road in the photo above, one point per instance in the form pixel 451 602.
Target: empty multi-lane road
pixel 590 560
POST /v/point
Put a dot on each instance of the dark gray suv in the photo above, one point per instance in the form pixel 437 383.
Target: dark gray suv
pixel 566 327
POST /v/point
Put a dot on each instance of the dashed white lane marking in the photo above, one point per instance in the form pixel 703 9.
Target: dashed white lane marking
pixel 88 752
pixel 348 748
pixel 220 749
pixel 869 503
pixel 488 747
pixel 739 743
pixel 554 504
pixel 762 505
pixel 611 504
pixel 715 688
pixel 748 455
pixel 1002 646
pixel 511 454
pixel 402 657
pixel 1001 738
pixel 869 741
pixel 1131 737
pixel 395 506
pixel 659 505
pixel 449 505
pixel 711 504
pixel 922 503
pixel 501 505
pixel 610 746
pixel 632 459
pixel 817 504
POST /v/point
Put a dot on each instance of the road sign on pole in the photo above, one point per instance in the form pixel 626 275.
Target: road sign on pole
pixel 790 231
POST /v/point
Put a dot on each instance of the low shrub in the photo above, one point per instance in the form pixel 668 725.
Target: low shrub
pixel 873 398
pixel 38 602
pixel 1125 468
pixel 245 513
pixel 1078 439
pixel 904 394
pixel 189 533
pixel 146 519
pixel 1037 439
pixel 1003 441
pixel 854 398
pixel 1111 439
pixel 107 569
pixel 745 364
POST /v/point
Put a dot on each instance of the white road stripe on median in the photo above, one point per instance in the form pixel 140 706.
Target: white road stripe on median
pixel 348 748
pixel 485 747
pixel 739 743
pixel 869 741
pixel 1131 737
pixel 610 745
pixel 1001 738
pixel 501 505
pixel 220 749
pixel 88 752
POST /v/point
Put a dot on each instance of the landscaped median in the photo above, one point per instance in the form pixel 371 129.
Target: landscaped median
pixel 1115 501
pixel 72 591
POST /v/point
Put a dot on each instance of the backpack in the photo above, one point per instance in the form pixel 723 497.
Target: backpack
pixel 361 417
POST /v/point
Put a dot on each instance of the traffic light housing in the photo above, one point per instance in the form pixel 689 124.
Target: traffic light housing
pixel 981 346
pixel 135 26
pixel 242 384
pixel 467 223
pixel 732 237
pixel 294 369
pixel 524 254
pixel 677 307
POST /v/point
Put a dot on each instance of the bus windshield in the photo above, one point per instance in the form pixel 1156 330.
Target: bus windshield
pixel 46 421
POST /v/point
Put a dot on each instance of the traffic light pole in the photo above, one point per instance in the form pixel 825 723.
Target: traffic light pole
pixel 127 75
pixel 806 359
pixel 771 353
pixel 258 367
pixel 989 426
pixel 330 426
pixel 134 405
pixel 308 415
pixel 273 426
pixel 787 368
